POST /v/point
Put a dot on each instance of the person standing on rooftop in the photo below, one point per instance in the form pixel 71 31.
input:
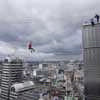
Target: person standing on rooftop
pixel 92 22
pixel 97 18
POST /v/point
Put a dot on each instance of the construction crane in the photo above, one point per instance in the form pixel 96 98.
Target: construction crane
pixel 30 47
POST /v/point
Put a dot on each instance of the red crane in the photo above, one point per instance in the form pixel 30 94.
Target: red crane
pixel 30 47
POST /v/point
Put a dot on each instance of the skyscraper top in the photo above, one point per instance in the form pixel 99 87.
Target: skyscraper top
pixel 93 21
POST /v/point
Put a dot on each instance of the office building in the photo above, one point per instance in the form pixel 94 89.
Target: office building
pixel 91 46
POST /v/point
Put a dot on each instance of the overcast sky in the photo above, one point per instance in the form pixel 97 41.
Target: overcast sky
pixel 53 26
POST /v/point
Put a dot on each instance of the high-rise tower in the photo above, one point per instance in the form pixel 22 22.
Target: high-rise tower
pixel 91 45
pixel 11 73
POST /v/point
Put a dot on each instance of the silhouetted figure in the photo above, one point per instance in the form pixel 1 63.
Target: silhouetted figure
pixel 30 47
pixel 92 22
pixel 97 18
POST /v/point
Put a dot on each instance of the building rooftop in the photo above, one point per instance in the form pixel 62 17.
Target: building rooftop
pixel 89 23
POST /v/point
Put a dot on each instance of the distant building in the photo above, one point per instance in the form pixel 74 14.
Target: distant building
pixel 23 91
pixel 78 75
pixel 11 73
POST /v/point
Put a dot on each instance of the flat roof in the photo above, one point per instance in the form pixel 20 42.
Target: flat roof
pixel 89 24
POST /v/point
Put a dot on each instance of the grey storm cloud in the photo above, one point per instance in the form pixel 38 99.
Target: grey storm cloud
pixel 54 26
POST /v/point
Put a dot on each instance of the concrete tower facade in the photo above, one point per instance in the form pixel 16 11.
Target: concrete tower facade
pixel 91 45
pixel 11 73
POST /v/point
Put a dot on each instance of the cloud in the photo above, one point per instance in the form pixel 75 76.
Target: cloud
pixel 5 48
pixel 54 26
